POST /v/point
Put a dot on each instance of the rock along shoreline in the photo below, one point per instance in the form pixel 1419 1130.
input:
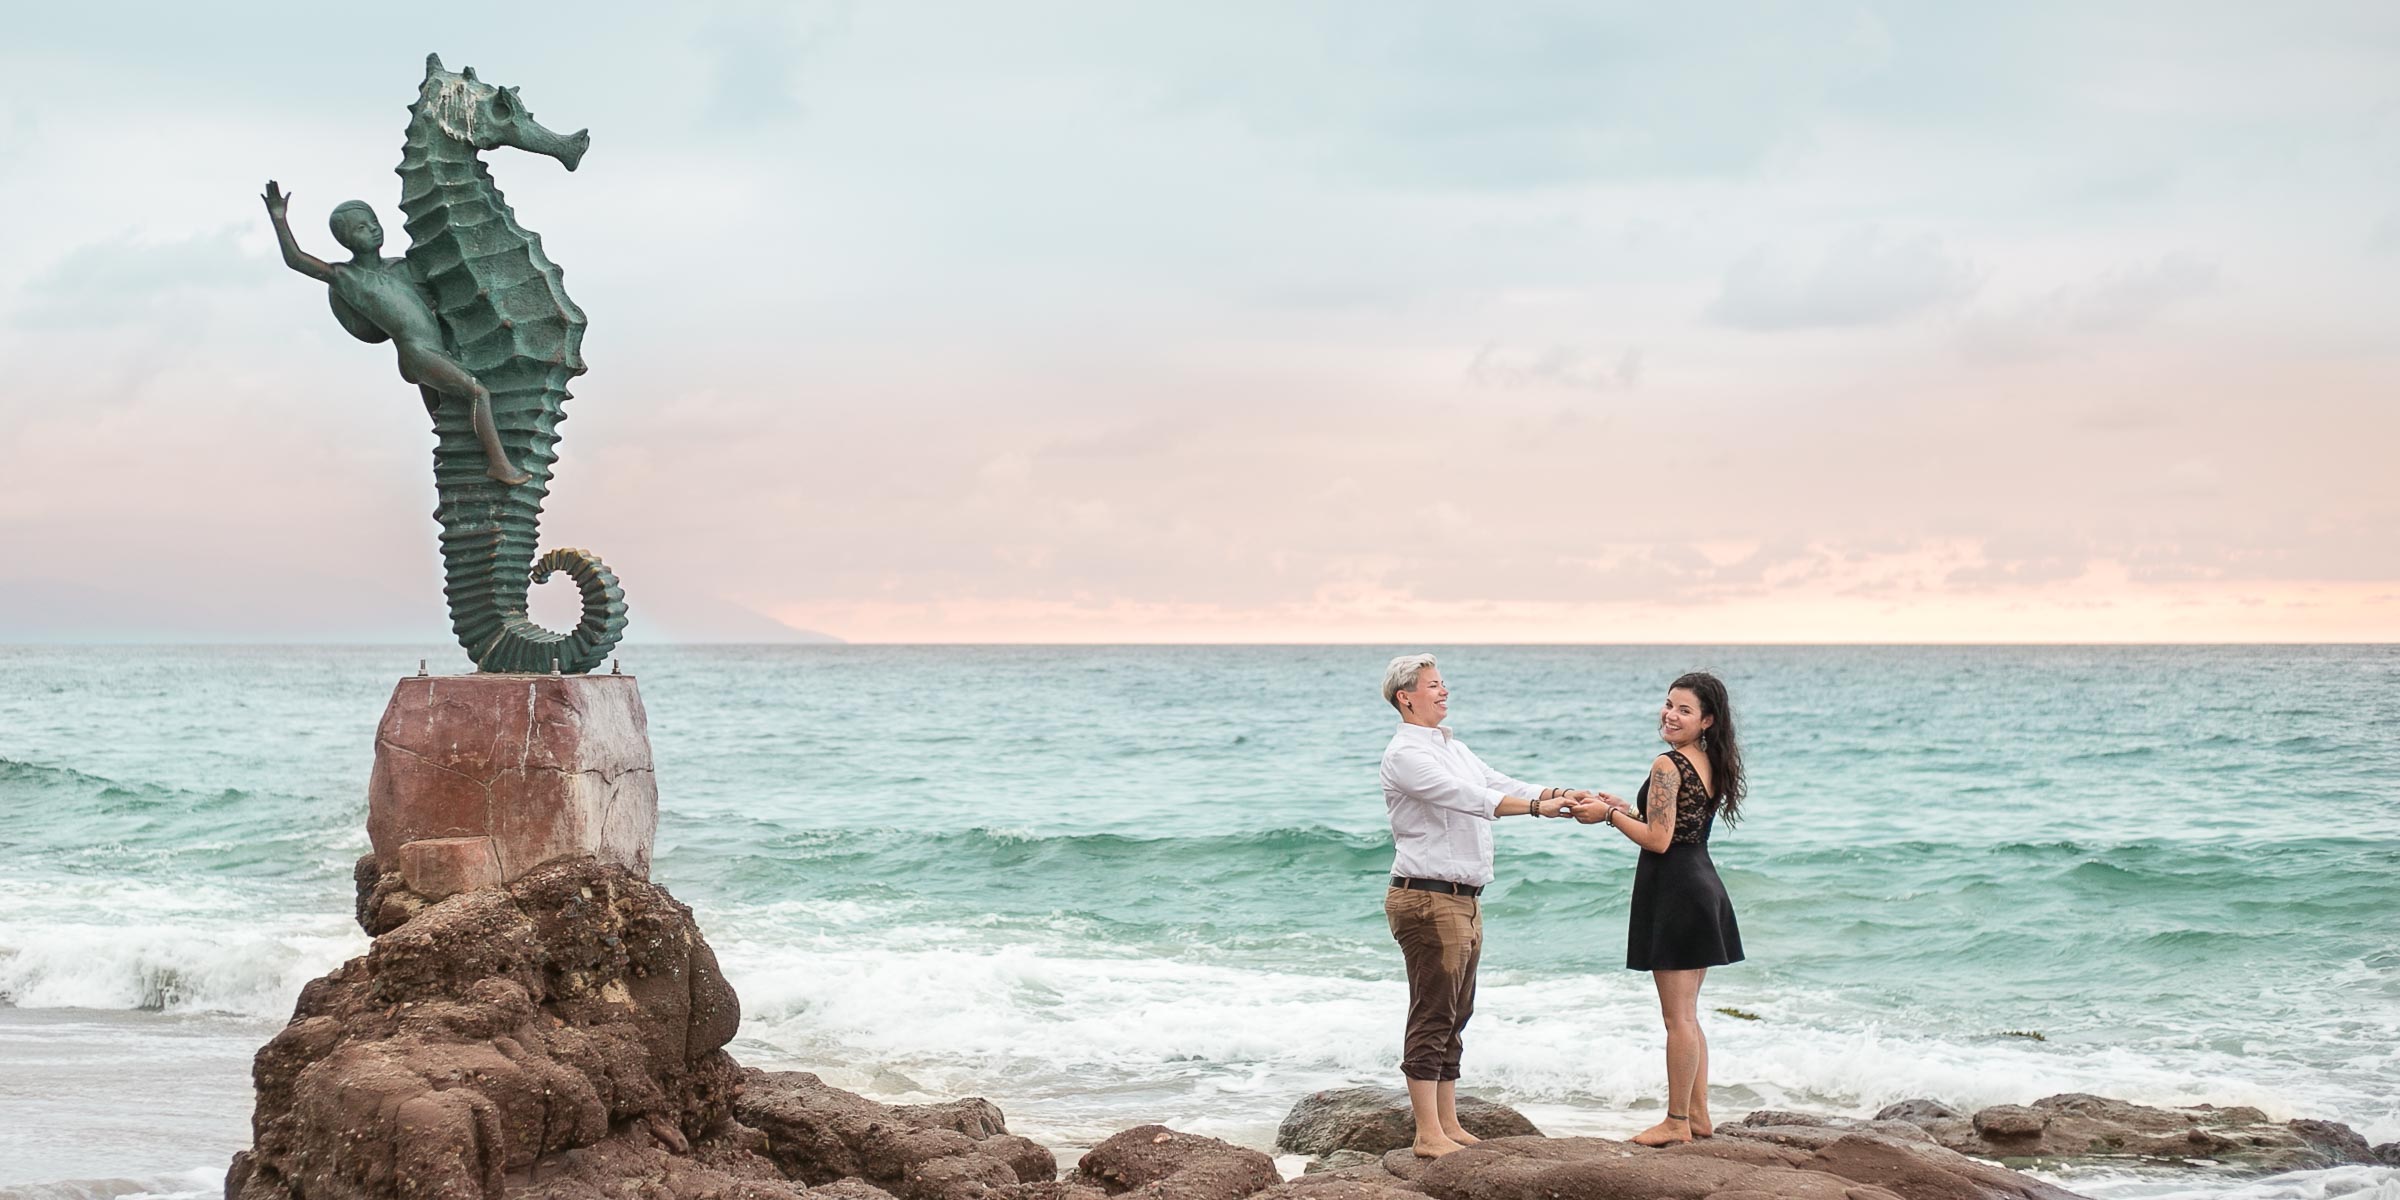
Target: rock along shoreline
pixel 563 1037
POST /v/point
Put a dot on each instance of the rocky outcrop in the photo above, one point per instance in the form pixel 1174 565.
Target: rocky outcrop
pixel 562 1038
pixel 2078 1126
pixel 1373 1120
pixel 1153 1162
pixel 818 1134
pixel 571 1023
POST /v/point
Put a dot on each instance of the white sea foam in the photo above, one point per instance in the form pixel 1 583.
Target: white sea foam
pixel 254 969
pixel 180 1185
pixel 1062 1026
pixel 2336 1183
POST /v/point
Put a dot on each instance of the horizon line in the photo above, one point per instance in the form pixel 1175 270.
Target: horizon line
pixel 839 644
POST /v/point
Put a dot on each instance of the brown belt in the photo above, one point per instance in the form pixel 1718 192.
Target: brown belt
pixel 1437 885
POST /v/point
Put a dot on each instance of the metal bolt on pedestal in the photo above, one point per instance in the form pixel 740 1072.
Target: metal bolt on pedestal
pixel 612 667
pixel 420 668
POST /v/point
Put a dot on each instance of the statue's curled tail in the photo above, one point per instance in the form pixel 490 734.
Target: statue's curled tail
pixel 520 645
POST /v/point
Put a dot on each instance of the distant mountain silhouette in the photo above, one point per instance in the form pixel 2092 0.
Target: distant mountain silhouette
pixel 663 616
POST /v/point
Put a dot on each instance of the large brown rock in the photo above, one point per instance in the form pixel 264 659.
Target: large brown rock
pixel 1858 1166
pixel 568 1028
pixel 1921 1171
pixel 1601 1169
pixel 1345 1184
pixel 2077 1126
pixel 545 766
pixel 1373 1120
pixel 1153 1162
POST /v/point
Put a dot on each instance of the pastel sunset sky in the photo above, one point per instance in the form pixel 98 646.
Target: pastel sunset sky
pixel 1133 322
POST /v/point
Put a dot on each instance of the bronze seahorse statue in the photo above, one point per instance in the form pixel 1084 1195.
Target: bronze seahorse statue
pixel 482 322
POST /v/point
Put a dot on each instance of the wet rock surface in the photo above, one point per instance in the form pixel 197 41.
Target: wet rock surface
pixel 2075 1126
pixel 1372 1120
pixel 1342 1160
pixel 1811 1131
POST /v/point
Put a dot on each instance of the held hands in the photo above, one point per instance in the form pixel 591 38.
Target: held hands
pixel 1560 804
pixel 1591 808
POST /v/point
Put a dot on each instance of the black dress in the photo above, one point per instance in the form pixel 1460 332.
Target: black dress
pixel 1681 918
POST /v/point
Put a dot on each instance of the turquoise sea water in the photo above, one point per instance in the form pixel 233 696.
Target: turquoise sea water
pixel 1113 885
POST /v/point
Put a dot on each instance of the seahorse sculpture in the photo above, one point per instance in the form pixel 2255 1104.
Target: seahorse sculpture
pixel 509 340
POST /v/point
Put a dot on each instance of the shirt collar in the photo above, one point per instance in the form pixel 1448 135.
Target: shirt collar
pixel 1439 733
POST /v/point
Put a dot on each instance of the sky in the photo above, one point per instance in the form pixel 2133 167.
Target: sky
pixel 1250 322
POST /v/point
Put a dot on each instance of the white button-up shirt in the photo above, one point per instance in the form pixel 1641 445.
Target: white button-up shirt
pixel 1442 800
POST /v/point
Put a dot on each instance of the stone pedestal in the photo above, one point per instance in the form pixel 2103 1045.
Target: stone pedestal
pixel 480 778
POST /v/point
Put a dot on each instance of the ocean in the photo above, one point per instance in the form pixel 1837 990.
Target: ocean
pixel 1110 885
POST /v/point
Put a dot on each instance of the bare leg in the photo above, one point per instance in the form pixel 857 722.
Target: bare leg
pixel 1679 1004
pixel 1446 1101
pixel 443 374
pixel 1697 1109
pixel 1425 1104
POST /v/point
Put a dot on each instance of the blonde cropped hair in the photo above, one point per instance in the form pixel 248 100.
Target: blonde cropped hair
pixel 1401 676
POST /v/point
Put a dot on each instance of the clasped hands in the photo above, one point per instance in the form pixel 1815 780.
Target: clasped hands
pixel 1589 808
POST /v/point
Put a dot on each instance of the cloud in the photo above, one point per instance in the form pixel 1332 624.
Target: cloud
pixel 2132 296
pixel 2123 299
pixel 1500 366
pixel 1865 278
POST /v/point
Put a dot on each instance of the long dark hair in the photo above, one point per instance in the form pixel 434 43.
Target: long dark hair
pixel 1718 742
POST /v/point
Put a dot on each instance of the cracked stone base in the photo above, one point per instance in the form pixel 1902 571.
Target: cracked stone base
pixel 542 765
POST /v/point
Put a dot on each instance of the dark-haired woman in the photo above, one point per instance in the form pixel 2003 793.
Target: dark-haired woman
pixel 1682 923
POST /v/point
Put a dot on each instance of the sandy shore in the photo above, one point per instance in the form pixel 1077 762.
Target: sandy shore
pixel 110 1102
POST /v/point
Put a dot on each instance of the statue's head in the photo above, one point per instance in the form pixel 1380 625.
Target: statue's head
pixel 467 109
pixel 355 227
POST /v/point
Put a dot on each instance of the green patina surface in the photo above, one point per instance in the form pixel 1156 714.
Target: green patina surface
pixel 506 318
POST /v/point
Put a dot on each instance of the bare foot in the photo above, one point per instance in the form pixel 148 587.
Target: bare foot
pixel 1460 1135
pixel 1669 1132
pixel 1435 1147
pixel 1702 1127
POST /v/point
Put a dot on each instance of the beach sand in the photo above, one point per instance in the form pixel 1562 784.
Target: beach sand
pixel 97 1103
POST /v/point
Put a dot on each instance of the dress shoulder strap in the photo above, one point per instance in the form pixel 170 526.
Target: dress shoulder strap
pixel 1690 776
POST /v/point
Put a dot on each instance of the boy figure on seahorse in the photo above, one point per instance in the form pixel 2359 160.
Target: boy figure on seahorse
pixel 378 299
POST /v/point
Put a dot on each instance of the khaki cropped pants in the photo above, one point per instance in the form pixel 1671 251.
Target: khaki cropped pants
pixel 1441 940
